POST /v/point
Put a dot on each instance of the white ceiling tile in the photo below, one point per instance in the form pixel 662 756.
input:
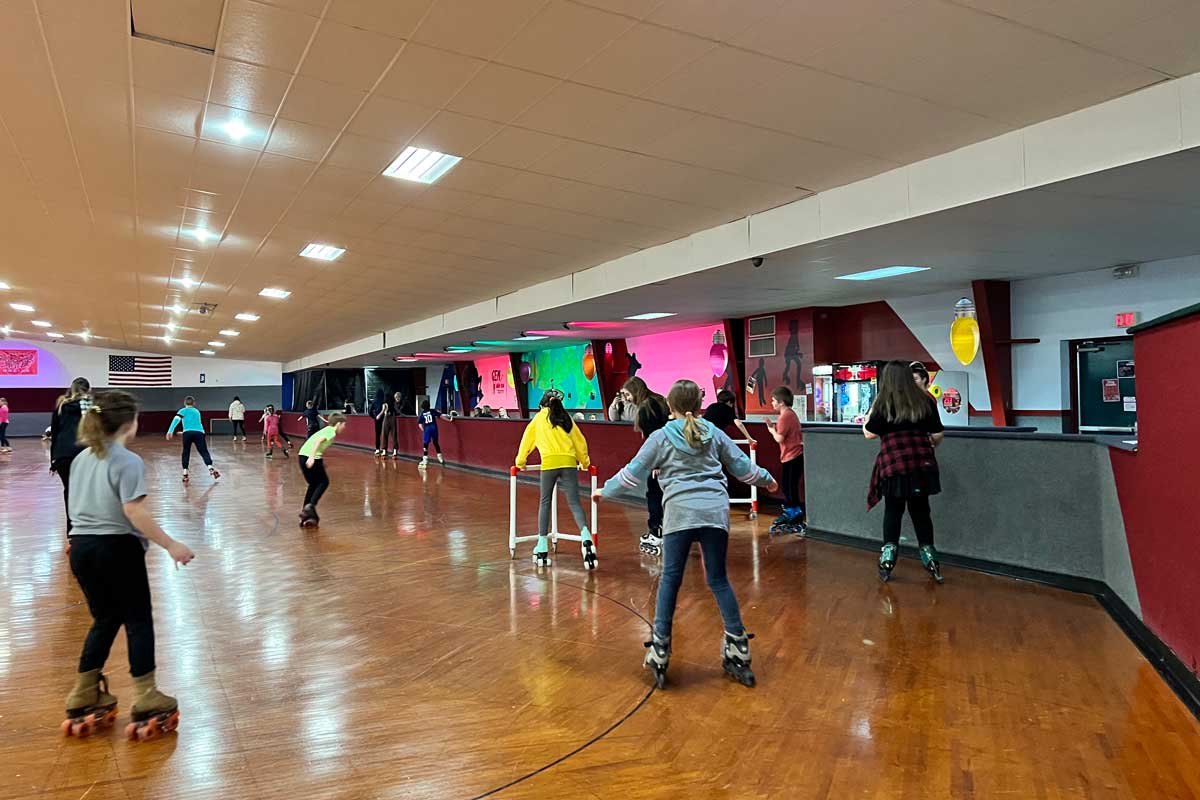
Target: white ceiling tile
pixel 562 37
pixel 475 27
pixel 349 56
pixel 264 35
pixel 595 115
pixel 301 141
pixel 169 113
pixel 363 153
pixel 427 75
pixel 517 147
pixel 456 134
pixel 721 20
pixel 640 58
pixel 170 70
pixel 248 86
pixel 398 18
pixel 192 22
pixel 320 103
pixel 390 120
pixel 501 93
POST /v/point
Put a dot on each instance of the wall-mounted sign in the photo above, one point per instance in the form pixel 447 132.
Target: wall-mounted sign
pixel 1125 369
pixel 1130 404
pixel 202 377
pixel 18 362
pixel 1126 319
pixel 1112 391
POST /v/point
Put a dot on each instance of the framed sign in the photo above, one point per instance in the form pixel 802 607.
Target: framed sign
pixel 1112 391
pixel 18 362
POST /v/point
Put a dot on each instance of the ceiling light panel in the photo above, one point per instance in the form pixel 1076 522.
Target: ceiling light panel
pixel 420 165
pixel 883 272
pixel 278 294
pixel 321 252
pixel 246 317
pixel 21 307
pixel 652 315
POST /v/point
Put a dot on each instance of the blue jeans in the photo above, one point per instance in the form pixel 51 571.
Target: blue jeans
pixel 714 542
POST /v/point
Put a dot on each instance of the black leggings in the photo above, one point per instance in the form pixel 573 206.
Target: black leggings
pixel 62 468
pixel 317 479
pixel 111 570
pixel 918 511
pixel 390 434
pixel 378 431
pixel 3 434
pixel 654 510
pixel 195 438
pixel 239 424
pixel 791 481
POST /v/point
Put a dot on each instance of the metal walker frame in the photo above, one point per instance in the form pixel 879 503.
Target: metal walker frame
pixel 752 500
pixel 554 533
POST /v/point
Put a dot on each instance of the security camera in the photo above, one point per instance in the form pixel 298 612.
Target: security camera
pixel 203 310
pixel 757 261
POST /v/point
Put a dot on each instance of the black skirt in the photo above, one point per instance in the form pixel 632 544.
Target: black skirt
pixel 912 484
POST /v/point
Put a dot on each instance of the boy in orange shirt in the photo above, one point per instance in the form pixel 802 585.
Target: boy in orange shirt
pixel 786 431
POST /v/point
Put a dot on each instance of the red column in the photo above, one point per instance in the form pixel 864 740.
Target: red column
pixel 993 307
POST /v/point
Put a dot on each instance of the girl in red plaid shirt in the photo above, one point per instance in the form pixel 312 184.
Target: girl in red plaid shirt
pixel 904 419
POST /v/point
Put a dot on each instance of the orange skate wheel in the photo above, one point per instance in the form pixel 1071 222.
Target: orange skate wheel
pixel 66 727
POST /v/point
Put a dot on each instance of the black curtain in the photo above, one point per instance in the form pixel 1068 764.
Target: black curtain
pixel 384 383
pixel 308 385
pixel 330 389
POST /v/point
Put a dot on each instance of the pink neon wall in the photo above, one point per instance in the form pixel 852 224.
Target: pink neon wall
pixel 667 357
pixel 497 382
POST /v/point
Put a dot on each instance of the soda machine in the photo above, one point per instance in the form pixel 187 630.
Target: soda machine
pixel 855 387
pixel 822 393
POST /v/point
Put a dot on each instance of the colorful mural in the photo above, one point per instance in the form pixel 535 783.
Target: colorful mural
pixel 563 368
pixel 497 388
pixel 698 354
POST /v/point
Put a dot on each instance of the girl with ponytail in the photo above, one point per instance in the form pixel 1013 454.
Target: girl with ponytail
pixel 113 529
pixel 64 428
pixel 690 456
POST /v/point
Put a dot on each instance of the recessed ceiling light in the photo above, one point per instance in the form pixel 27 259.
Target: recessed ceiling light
pixel 420 165
pixel 237 130
pixel 883 272
pixel 4 287
pixel 6 330
pixel 278 294
pixel 244 317
pixel 458 348
pixel 402 359
pixel 529 338
pixel 321 252
pixel 54 335
pixel 201 234
pixel 177 309
pixel 216 344
pixel 187 282
pixel 167 339
pixel 171 326
pixel 652 315
pixel 230 332
pixel 20 307
pixel 41 323
pixel 208 352
pixel 85 335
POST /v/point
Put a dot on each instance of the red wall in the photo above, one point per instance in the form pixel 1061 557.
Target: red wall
pixel 873 331
pixel 1158 486
pixel 159 421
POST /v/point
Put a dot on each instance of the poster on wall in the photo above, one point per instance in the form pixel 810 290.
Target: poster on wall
pixel 698 354
pixel 1125 369
pixel 1111 389
pixel 18 362
pixel 497 388
pixel 1130 404
pixel 778 353
pixel 565 369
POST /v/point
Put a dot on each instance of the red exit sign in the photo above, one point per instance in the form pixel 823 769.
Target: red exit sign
pixel 1127 319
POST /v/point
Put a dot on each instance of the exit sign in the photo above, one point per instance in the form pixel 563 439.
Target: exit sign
pixel 1127 319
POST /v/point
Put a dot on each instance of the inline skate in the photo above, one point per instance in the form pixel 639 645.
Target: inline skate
pixel 541 552
pixel 185 476
pixel 930 561
pixel 790 521
pixel 89 705
pixel 658 656
pixel 308 517
pixel 651 542
pixel 735 658
pixel 212 473
pixel 153 713
pixel 887 561
pixel 588 547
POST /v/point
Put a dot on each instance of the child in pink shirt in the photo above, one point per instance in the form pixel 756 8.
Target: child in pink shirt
pixel 4 447
pixel 270 421
pixel 791 453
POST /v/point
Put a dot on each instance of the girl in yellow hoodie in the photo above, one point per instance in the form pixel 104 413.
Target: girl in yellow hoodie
pixel 564 452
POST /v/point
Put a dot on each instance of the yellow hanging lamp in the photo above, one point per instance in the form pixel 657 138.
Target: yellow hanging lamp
pixel 964 332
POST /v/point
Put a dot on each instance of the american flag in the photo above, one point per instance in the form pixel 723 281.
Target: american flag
pixel 139 370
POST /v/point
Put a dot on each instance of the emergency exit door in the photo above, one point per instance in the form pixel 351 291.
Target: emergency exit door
pixel 1107 385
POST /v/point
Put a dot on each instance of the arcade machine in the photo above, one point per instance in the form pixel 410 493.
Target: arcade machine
pixel 855 387
pixel 822 393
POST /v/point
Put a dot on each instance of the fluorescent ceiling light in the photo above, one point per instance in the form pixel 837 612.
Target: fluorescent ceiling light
pixel 54 335
pixel 171 326
pixel 529 338
pixel 404 359
pixel 420 165
pixel 177 309
pixel 492 344
pixel 230 332
pixel 244 317
pixel 85 335
pixel 41 323
pixel 208 352
pixel 458 348
pixel 322 252
pixel 237 130
pixel 201 234
pixel 6 330
pixel 167 338
pixel 216 344
pixel 188 282
pixel 20 307
pixel 883 272
pixel 652 315
pixel 4 287
pixel 278 294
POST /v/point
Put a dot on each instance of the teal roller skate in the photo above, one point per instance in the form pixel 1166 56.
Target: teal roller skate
pixel 541 552
pixel 930 560
pixel 887 561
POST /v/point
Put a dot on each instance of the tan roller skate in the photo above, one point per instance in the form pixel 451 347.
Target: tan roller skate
pixel 154 713
pixel 89 706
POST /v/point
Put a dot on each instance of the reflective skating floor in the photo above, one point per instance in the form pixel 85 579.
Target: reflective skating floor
pixel 396 652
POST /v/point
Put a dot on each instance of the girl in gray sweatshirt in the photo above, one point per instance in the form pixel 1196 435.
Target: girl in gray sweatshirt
pixel 690 457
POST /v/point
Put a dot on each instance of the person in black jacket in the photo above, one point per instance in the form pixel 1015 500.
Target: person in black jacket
pixel 64 427
pixel 652 413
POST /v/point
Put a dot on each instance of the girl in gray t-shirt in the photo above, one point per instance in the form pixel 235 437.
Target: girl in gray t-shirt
pixel 112 530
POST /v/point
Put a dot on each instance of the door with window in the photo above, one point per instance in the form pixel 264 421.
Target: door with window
pixel 1107 385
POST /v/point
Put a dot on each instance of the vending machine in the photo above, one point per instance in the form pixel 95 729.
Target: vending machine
pixel 822 393
pixel 855 387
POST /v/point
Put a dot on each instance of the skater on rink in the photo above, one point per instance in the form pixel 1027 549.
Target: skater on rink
pixel 113 530
pixel 271 420
pixel 428 423
pixel 564 452
pixel 904 419
pixel 237 418
pixel 313 421
pixel 786 431
pixel 689 455
pixel 193 434
pixel 64 431
pixel 312 467
pixel 650 414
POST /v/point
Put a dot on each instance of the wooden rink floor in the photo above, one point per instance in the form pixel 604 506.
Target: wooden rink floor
pixel 396 652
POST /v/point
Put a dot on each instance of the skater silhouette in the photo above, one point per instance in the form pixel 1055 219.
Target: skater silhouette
pixel 792 353
pixel 760 381
pixel 634 364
